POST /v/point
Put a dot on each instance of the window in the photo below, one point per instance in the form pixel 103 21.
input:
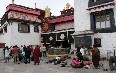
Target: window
pixel 5 29
pixel 102 21
pixel 23 28
pixel 97 42
pixel 1 31
pixel 36 28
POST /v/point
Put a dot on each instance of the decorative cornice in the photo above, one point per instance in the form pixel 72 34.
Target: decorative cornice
pixel 62 19
pixel 23 9
pixel 101 7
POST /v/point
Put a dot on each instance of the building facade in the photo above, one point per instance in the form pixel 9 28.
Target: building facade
pixel 57 30
pixel 21 25
pixel 95 20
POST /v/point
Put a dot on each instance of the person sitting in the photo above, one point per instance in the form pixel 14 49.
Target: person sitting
pixel 111 61
pixel 58 59
pixel 63 63
pixel 76 63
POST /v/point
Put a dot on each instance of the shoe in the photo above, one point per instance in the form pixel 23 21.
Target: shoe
pixel 112 69
pixel 34 64
pixel 96 67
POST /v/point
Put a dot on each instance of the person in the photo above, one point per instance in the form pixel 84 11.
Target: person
pixel 44 51
pixel 27 55
pixel 82 51
pixel 95 56
pixel 11 54
pixel 111 61
pixel 78 48
pixel 76 63
pixel 31 49
pixel 68 50
pixel 37 55
pixel 6 54
pixel 19 54
pixel 23 56
pixel 15 53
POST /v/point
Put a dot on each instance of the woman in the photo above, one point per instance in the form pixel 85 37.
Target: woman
pixel 37 55
pixel 95 56
pixel 76 63
pixel 6 55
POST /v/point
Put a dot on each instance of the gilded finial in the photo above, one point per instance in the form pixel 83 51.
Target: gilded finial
pixel 47 12
pixel 64 8
pixel 35 5
pixel 12 1
pixel 68 6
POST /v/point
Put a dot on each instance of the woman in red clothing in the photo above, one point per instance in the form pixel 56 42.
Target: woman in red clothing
pixel 37 55
pixel 76 63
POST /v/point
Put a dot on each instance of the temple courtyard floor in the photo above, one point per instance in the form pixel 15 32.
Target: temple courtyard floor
pixel 11 67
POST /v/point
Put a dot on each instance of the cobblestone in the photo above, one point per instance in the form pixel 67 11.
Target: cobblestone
pixel 48 68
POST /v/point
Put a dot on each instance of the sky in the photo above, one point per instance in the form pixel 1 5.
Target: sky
pixel 55 5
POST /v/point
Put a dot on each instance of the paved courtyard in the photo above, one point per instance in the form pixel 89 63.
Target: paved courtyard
pixel 47 68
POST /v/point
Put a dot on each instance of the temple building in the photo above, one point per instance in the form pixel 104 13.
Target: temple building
pixel 57 30
pixel 21 25
pixel 95 20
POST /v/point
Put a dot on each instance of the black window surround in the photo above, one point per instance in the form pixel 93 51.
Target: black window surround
pixel 112 27
pixel 97 42
pixel 102 21
pixel 5 29
pixel 36 28
pixel 23 28
pixel 99 2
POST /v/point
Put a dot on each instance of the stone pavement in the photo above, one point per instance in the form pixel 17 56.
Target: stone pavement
pixel 48 68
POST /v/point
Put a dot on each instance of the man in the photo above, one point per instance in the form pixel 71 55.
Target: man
pixel 15 53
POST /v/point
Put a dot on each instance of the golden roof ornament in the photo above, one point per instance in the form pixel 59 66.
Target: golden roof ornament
pixel 64 8
pixel 68 6
pixel 12 1
pixel 47 12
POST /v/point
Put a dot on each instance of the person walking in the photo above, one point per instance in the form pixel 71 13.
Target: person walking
pixel 27 55
pixel 6 54
pixel 31 56
pixel 37 55
pixel 15 53
pixel 95 56
pixel 44 51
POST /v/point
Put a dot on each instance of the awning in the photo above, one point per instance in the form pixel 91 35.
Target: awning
pixel 86 32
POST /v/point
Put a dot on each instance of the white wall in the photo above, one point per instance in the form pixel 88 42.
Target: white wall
pixel 81 16
pixel 5 37
pixel 17 38
pixel 108 42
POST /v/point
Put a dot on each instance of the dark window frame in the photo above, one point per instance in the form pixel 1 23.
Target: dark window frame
pixel 5 29
pixel 102 20
pixel 36 28
pixel 23 29
pixel 97 42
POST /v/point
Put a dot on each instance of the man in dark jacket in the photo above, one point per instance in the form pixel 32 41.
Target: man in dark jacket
pixel 27 55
